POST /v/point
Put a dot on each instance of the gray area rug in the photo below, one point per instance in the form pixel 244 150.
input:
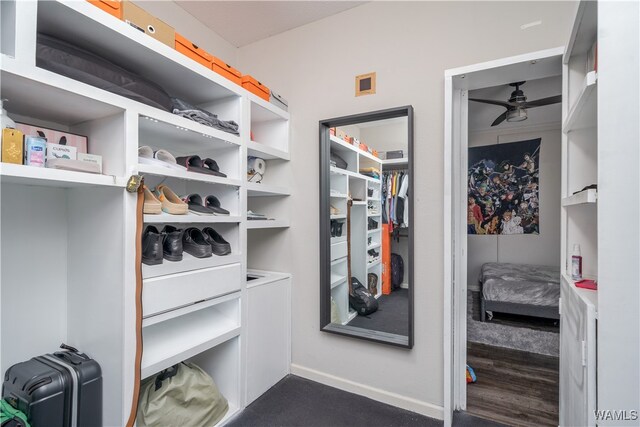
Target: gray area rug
pixel 523 338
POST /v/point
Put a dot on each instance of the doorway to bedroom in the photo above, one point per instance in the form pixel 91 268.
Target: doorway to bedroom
pixel 506 188
pixel 513 252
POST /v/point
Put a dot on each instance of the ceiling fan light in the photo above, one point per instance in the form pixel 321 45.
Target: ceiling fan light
pixel 517 115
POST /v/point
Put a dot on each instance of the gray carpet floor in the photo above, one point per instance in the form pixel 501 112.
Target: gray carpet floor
pixel 392 315
pixel 527 334
pixel 298 402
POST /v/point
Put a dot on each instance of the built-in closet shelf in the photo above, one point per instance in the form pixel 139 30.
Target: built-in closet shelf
pixel 373 264
pixel 584 112
pixel 337 279
pixel 590 297
pixel 269 111
pixel 339 171
pixel 373 215
pixel 30 175
pixel 338 239
pixel 267 223
pixel 338 196
pixel 182 311
pixel 374 231
pixel 340 143
pixel 589 196
pixel 359 203
pixel 373 246
pixel 264 277
pixel 266 190
pixel 188 263
pixel 165 218
pixel 338 261
pixel 92 28
pixel 184 134
pixel 35 92
pixel 395 162
pixel 339 216
pixel 266 152
pixel 164 350
pixel 183 174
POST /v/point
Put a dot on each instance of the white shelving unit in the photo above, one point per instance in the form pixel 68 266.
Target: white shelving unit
pixel 344 183
pixel 589 196
pixel 85 287
pixel 579 222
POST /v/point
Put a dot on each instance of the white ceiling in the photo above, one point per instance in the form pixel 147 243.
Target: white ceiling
pixel 245 22
pixel 482 115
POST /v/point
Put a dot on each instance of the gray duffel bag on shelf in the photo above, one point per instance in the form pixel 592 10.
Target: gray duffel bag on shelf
pixel 183 395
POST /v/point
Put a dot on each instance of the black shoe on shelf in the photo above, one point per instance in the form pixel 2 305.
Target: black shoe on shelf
pixel 194 243
pixel 172 247
pixel 339 229
pixel 152 246
pixel 219 246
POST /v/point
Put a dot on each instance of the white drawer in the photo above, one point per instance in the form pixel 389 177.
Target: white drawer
pixel 338 250
pixel 169 292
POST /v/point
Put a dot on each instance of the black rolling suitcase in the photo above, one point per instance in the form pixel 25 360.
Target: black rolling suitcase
pixel 63 389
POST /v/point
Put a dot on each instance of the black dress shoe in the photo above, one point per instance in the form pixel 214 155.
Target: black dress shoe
pixel 172 247
pixel 219 246
pixel 195 244
pixel 152 246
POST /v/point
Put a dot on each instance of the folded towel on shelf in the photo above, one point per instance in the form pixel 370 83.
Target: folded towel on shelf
pixel 184 109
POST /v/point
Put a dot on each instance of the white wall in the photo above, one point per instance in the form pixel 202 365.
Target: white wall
pixel 189 26
pixel 542 249
pixel 409 45
pixel 387 137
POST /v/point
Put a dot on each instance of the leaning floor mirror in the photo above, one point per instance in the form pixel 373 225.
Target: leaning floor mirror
pixel 366 234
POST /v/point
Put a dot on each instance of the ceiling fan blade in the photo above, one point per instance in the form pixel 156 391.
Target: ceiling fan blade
pixel 491 101
pixel 501 118
pixel 543 101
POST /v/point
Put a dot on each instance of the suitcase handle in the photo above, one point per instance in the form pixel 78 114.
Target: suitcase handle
pixel 68 347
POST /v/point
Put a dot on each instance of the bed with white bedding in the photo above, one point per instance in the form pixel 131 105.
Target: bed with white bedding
pixel 530 290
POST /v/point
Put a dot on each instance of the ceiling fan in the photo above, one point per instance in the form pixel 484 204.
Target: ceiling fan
pixel 517 105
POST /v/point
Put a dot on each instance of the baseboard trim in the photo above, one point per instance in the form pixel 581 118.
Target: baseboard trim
pixel 393 399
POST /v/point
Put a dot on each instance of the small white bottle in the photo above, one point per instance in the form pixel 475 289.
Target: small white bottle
pixel 5 120
pixel 576 263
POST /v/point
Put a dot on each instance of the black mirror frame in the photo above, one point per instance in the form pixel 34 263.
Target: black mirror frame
pixel 325 225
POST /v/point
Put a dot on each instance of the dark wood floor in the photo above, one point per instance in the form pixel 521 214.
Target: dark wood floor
pixel 514 387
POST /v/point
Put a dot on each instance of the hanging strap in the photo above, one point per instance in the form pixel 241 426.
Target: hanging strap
pixel 138 298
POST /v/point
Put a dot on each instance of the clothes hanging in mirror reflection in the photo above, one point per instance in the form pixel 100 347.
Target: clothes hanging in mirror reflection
pixel 395 198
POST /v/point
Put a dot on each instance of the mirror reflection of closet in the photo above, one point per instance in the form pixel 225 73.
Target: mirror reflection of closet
pixel 368 203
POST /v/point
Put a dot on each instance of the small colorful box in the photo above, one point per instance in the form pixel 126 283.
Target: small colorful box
pixel 91 158
pixel 57 151
pixel 255 87
pixel 12 146
pixel 226 70
pixel 35 149
pixel 193 51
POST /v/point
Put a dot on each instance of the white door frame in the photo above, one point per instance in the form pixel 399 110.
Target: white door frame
pixel 457 83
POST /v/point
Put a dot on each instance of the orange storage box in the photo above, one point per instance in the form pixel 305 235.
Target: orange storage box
pixel 255 87
pixel 185 47
pixel 226 70
pixel 113 7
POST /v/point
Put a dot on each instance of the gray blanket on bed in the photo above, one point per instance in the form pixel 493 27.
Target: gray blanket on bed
pixel 520 283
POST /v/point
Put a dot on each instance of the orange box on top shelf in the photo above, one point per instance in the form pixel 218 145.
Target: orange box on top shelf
pixel 187 48
pixel 226 70
pixel 113 7
pixel 255 87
